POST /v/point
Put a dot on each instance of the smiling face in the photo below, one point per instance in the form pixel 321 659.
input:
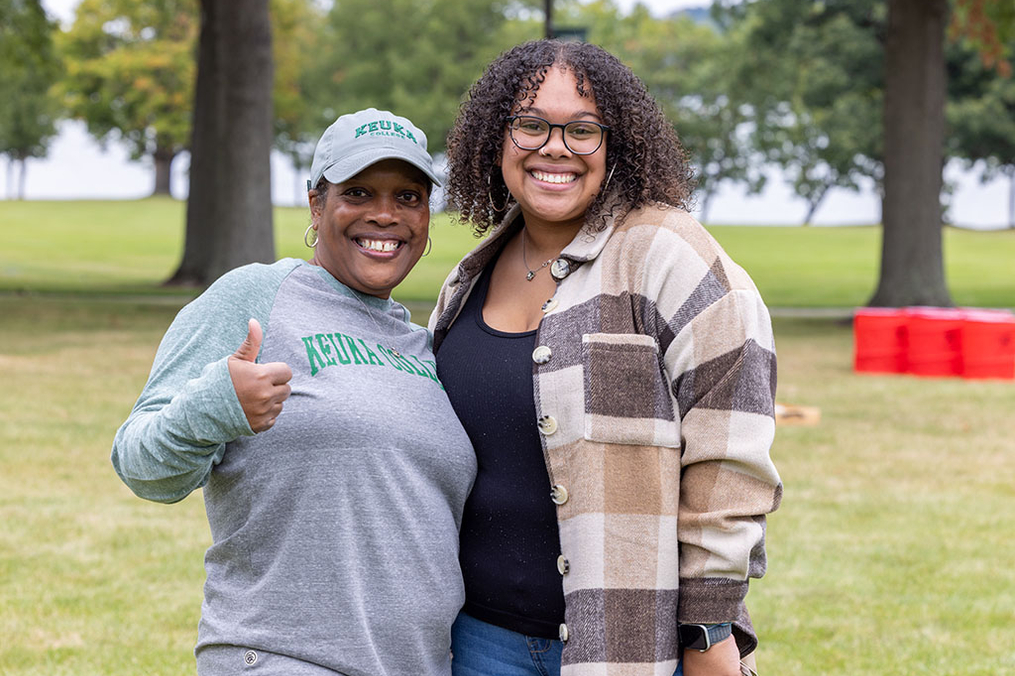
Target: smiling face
pixel 552 185
pixel 372 228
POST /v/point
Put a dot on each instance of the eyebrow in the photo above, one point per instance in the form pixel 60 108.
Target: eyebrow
pixel 577 115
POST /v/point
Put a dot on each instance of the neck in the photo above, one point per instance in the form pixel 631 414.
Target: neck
pixel 547 240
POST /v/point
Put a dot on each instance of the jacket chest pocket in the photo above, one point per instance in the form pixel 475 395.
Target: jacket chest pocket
pixel 627 398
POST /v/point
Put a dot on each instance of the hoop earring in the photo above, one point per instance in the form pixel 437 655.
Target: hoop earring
pixel 607 184
pixel 429 246
pixel 489 197
pixel 306 237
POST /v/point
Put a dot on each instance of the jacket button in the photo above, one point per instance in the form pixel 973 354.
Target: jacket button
pixel 250 658
pixel 559 496
pixel 560 268
pixel 549 306
pixel 563 633
pixel 542 354
pixel 547 425
pixel 563 565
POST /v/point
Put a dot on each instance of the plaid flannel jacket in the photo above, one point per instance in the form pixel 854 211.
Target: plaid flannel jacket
pixel 656 413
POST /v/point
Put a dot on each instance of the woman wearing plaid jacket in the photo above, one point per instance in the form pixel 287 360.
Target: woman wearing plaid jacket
pixel 615 371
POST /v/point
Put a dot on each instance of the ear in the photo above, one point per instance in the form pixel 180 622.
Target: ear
pixel 317 201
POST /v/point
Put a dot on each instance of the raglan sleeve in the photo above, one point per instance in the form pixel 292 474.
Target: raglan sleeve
pixel 720 358
pixel 188 410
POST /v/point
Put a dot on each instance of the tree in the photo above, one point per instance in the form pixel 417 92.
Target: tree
pixel 912 259
pixel 229 214
pixel 130 75
pixel 813 75
pixel 982 129
pixel 989 27
pixel 832 137
pixel 296 25
pixel 684 65
pixel 912 34
pixel 981 109
pixel 371 56
pixel 28 68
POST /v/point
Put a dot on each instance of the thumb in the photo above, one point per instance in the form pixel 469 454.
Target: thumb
pixel 251 345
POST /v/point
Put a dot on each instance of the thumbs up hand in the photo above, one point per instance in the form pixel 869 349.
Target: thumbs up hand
pixel 261 388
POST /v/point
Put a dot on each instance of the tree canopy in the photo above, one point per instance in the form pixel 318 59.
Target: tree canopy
pixel 28 68
pixel 130 75
pixel 685 66
pixel 130 72
pixel 981 120
pixel 802 84
pixel 416 59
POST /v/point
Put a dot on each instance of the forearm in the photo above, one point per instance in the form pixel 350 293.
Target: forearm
pixel 168 445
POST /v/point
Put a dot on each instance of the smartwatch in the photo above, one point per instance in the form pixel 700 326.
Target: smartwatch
pixel 701 637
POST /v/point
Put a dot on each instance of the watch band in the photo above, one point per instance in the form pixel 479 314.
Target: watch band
pixel 701 637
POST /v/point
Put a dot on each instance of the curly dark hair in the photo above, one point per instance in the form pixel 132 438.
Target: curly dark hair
pixel 650 166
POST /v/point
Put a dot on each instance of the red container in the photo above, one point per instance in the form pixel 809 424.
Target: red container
pixel 879 339
pixel 988 344
pixel 934 341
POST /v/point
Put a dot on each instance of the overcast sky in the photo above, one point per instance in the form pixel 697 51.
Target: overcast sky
pixel 77 167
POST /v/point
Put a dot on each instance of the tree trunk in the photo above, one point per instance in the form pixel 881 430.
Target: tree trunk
pixel 706 201
pixel 22 176
pixel 1011 197
pixel 813 203
pixel 163 162
pixel 194 267
pixel 229 214
pixel 912 261
pixel 9 194
pixel 197 242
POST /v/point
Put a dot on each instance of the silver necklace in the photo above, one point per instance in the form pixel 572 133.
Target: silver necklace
pixel 532 273
pixel 366 309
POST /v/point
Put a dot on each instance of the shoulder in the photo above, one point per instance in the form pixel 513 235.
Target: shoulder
pixel 259 277
pixel 660 237
pixel 667 227
pixel 244 292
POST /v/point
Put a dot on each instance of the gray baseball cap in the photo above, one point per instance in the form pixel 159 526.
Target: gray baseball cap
pixel 355 141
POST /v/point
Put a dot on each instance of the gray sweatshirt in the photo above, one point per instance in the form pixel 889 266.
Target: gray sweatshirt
pixel 334 533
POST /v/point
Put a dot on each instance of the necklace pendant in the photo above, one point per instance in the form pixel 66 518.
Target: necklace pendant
pixel 394 352
pixel 530 275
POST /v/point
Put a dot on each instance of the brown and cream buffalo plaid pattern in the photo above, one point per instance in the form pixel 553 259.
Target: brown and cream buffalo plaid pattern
pixel 661 385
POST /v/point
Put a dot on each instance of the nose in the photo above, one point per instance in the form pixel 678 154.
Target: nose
pixel 384 211
pixel 555 146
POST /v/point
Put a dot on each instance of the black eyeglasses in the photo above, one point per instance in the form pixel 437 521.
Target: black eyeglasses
pixel 581 137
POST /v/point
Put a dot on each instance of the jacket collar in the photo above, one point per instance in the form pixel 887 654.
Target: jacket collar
pixel 585 246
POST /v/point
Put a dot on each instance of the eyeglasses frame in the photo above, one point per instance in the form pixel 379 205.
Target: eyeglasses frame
pixel 602 136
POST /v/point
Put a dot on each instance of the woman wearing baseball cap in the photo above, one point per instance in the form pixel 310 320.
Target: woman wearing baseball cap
pixel 299 396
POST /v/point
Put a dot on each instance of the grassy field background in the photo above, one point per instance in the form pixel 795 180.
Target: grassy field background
pixel 892 553
pixel 132 246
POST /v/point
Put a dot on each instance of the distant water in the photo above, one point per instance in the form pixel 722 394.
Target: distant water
pixel 78 168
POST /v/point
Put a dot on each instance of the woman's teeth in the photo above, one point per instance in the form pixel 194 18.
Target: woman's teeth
pixel 381 245
pixel 554 178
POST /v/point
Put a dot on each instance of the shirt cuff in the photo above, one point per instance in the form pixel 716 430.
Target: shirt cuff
pixel 713 600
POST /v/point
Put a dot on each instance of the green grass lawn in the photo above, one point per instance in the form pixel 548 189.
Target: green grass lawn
pixel 132 246
pixel 892 553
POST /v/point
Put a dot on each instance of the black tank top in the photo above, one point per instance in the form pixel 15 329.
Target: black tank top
pixel 509 537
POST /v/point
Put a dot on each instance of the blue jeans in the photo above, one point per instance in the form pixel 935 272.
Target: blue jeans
pixel 481 649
